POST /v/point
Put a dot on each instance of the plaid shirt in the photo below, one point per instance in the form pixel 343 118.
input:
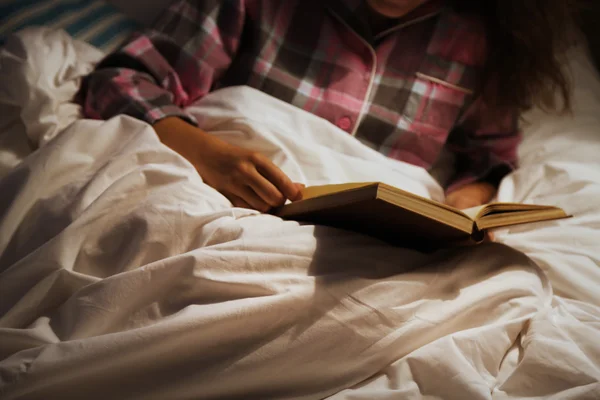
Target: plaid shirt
pixel 406 92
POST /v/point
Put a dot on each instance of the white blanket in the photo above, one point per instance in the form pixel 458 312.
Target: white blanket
pixel 122 275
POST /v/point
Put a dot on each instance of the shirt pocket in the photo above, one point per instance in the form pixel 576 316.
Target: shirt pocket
pixel 434 106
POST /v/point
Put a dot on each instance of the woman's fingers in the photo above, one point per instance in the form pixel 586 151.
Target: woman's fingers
pixel 251 198
pixel 262 185
pixel 277 177
pixel 266 190
pixel 236 201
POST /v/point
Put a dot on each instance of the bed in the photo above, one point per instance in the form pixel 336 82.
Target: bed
pixel 122 275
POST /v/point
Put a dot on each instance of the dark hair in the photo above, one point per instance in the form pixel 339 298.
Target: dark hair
pixel 526 45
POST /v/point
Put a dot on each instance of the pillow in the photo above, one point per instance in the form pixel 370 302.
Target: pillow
pixel 93 21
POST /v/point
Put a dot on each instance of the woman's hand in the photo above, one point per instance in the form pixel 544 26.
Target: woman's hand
pixel 471 195
pixel 246 178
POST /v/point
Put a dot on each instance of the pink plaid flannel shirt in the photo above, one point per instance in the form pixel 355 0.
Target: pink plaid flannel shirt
pixel 406 92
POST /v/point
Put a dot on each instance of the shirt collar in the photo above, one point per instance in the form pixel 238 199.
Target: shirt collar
pixel 349 12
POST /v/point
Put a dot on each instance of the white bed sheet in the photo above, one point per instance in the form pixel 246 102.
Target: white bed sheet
pixel 123 275
pixel 36 89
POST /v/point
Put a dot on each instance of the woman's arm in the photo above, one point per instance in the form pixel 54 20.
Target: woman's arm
pixel 484 145
pixel 471 195
pixel 166 68
pixel 246 178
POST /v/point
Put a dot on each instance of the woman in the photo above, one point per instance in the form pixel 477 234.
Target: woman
pixel 436 83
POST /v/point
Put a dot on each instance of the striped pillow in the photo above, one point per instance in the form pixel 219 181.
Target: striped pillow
pixel 93 21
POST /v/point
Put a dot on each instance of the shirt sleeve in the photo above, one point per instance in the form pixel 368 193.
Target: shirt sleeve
pixel 162 70
pixel 484 146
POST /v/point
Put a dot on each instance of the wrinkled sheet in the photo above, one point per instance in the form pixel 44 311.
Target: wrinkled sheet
pixel 122 275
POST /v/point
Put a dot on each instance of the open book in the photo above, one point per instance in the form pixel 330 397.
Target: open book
pixel 398 216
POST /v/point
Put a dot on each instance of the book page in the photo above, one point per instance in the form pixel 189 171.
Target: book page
pixel 322 190
pixel 499 209
pixel 420 204
pixel 474 212
pixel 498 220
pixel 401 197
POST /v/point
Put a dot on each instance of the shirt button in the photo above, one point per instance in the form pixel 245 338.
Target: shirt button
pixel 345 123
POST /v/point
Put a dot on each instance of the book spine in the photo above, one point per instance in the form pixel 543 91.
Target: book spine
pixel 477 235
